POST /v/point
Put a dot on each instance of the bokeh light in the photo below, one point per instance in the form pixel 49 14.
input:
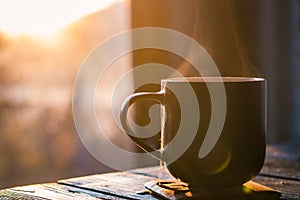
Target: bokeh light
pixel 35 17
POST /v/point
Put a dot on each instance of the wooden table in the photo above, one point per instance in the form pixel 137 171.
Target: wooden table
pixel 281 172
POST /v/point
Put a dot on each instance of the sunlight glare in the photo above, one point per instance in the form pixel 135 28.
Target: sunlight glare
pixel 38 17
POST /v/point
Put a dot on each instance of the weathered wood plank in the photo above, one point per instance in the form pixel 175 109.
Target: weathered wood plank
pixel 46 191
pixel 282 162
pixel 290 190
pixel 280 172
pixel 179 191
pixel 127 184
pixel 121 184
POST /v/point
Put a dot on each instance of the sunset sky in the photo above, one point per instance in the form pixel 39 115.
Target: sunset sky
pixel 38 17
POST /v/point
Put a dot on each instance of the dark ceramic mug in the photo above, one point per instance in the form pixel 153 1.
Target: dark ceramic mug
pixel 218 147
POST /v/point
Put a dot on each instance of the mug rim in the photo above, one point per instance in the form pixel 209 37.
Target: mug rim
pixel 214 79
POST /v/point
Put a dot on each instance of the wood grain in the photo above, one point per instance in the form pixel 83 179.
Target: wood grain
pixel 281 172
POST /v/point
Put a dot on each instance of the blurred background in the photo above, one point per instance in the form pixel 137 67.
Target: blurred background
pixel 43 44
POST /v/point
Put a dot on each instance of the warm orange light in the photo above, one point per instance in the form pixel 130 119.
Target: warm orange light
pixel 39 17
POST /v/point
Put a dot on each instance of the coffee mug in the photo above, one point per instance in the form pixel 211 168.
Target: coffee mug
pixel 213 128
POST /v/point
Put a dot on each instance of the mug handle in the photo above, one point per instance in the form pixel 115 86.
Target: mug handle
pixel 153 96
